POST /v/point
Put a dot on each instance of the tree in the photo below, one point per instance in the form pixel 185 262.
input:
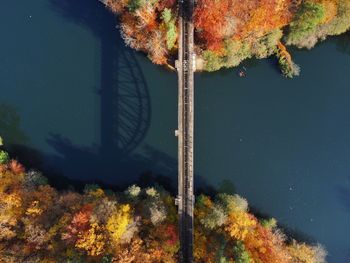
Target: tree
pixel 300 252
pixel 288 67
pixel 215 218
pixel 239 224
pixel 4 157
pixel 210 23
pixel 241 254
pixel 310 15
pixel 92 241
pixel 118 222
pixel 40 224
pixel 169 22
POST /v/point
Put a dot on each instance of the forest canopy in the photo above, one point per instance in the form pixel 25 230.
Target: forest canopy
pixel 41 224
pixel 230 31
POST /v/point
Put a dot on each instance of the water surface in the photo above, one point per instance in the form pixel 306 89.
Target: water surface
pixel 76 103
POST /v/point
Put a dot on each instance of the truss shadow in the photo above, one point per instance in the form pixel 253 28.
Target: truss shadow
pixel 125 109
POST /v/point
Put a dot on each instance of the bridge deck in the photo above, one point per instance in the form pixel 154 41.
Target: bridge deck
pixel 185 69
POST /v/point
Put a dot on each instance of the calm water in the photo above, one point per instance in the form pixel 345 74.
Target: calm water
pixel 76 103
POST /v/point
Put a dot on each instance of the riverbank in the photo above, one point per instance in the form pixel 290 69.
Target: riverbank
pixel 38 223
pixel 289 137
pixel 228 32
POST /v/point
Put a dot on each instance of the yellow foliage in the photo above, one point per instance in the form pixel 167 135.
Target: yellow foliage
pixel 9 181
pixel 305 254
pixel 264 245
pixel 201 212
pixel 54 230
pixel 200 242
pixel 11 200
pixel 135 252
pixel 239 224
pixel 34 209
pixel 118 222
pixel 10 208
pixel 98 193
pixel 92 241
pixel 331 9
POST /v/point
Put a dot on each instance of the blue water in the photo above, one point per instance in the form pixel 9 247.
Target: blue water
pixel 78 104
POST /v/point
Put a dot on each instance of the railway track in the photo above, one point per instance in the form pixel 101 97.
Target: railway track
pixel 185 132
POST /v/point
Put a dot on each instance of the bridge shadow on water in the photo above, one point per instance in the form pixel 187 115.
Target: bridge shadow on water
pixel 120 157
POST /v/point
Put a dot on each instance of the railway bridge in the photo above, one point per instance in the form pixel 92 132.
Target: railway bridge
pixel 185 68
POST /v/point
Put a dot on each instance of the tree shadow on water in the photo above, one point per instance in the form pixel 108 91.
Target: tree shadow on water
pixel 113 168
pixel 10 129
pixel 343 43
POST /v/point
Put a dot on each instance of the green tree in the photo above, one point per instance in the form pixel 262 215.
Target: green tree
pixel 241 254
pixel 171 33
pixel 309 16
pixel 133 5
pixel 4 157
pixel 212 61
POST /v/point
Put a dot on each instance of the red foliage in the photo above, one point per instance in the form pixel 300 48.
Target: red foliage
pixel 265 246
pixel 212 26
pixel 80 223
pixel 221 19
pixel 16 167
pixel 171 234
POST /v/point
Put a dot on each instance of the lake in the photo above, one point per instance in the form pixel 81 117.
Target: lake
pixel 79 105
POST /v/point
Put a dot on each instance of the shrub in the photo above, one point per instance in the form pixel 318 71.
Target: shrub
pixel 134 5
pixel 241 254
pixel 236 52
pixel 4 157
pixel 288 68
pixel 212 61
pixel 267 45
pixel 232 203
pixel 133 191
pixel 309 16
pixel 171 33
pixel 215 218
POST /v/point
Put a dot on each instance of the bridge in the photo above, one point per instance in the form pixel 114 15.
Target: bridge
pixel 185 68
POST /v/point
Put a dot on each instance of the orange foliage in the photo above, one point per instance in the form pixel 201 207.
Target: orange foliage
pixel 239 224
pixel 265 246
pixel 16 167
pixel 147 17
pixel 331 9
pixel 3 168
pixel 210 22
pixel 40 224
pixel 283 52
pixel 134 253
pixel 270 14
pixel 222 19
